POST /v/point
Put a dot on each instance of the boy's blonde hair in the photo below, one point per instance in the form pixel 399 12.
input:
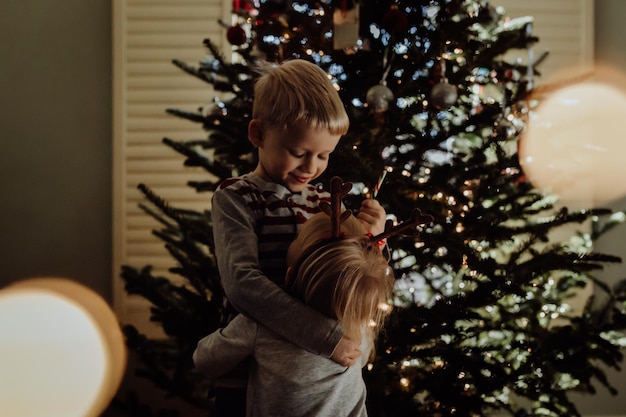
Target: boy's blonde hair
pixel 347 278
pixel 298 94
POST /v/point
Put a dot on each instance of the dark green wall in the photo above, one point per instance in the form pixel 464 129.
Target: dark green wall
pixel 55 141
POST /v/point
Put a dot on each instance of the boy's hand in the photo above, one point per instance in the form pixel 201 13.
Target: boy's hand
pixel 372 215
pixel 346 352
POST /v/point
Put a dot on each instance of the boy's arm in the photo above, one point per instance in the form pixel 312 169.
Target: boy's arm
pixel 222 350
pixel 254 294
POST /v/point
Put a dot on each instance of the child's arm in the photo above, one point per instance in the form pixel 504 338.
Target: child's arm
pixel 372 215
pixel 222 350
pixel 252 293
pixel 347 352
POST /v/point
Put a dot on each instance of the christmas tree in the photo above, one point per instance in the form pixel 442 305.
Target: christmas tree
pixel 482 321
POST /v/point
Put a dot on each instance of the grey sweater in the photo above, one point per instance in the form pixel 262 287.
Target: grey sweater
pixel 254 221
pixel 284 379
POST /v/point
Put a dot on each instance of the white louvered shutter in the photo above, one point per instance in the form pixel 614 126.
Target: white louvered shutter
pixel 565 30
pixel 148 34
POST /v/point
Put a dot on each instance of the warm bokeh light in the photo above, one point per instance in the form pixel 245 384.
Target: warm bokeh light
pixel 62 353
pixel 575 142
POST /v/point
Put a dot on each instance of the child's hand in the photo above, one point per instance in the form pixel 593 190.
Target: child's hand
pixel 372 215
pixel 346 352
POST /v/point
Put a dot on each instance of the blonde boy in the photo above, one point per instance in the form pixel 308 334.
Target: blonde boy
pixel 297 121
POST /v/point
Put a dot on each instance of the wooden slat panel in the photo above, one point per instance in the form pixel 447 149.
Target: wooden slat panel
pixel 565 31
pixel 148 35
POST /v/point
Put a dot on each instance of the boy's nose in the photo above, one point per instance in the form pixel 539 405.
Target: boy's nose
pixel 309 165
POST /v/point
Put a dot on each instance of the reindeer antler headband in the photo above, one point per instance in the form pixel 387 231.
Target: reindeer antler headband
pixel 338 189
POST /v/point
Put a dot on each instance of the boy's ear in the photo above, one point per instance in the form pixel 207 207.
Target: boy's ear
pixel 255 133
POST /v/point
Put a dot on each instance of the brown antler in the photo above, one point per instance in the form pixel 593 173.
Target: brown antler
pixel 337 190
pixel 417 218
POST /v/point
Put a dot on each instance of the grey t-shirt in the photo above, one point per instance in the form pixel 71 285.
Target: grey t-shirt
pixel 284 379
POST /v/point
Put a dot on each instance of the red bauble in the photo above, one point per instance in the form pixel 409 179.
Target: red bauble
pixel 395 20
pixel 236 35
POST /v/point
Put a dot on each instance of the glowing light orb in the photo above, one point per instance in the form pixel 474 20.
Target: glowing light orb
pixel 575 142
pixel 62 353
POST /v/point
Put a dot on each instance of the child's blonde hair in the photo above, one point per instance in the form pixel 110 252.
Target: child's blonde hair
pixel 347 278
pixel 298 94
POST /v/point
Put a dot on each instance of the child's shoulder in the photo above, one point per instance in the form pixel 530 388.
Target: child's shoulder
pixel 236 183
pixel 249 187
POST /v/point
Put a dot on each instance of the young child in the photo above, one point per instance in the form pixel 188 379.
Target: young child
pixel 345 278
pixel 297 121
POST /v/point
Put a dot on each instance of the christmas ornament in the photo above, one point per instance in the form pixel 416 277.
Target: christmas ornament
pixel 244 8
pixel 511 74
pixel 488 14
pixel 573 146
pixel 236 35
pixel 378 98
pixel 345 26
pixel 395 20
pixel 504 129
pixel 443 95
pixel 379 183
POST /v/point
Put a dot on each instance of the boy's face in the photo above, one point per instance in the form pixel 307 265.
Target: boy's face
pixel 292 157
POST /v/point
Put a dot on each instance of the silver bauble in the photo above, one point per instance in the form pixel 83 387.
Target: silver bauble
pixel 504 128
pixel 378 98
pixel 443 95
